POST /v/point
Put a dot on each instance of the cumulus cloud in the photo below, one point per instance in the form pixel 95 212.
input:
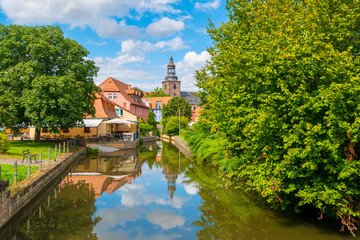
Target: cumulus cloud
pixel 165 219
pixel 114 217
pixel 165 27
pixel 135 52
pixel 208 5
pixel 99 15
pixel 187 66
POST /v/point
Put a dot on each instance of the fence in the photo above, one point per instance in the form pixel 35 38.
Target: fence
pixel 18 172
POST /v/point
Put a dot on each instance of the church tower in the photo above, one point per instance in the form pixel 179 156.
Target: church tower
pixel 171 85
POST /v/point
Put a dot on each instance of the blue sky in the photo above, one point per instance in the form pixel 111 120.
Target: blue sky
pixel 129 40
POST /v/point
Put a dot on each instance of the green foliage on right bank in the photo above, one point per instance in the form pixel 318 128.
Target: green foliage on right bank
pixel 281 99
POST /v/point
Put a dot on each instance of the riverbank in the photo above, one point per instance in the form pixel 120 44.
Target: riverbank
pixel 16 198
pixel 179 143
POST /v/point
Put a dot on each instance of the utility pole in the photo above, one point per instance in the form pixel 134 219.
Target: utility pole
pixel 179 121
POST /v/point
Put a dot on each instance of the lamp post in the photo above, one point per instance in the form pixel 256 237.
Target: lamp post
pixel 179 121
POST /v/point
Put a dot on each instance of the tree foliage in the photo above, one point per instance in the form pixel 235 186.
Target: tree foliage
pixel 46 80
pixel 283 89
pixel 151 118
pixel 171 125
pixel 4 143
pixel 157 92
pixel 173 106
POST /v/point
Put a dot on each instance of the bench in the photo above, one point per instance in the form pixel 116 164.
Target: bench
pixel 27 155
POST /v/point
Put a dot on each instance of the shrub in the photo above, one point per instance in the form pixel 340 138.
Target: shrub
pixel 172 125
pixel 4 143
pixel 145 129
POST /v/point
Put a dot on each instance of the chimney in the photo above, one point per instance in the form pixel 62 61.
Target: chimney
pixel 129 87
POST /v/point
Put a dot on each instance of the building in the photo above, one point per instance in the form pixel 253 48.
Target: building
pixel 94 126
pixel 122 94
pixel 171 85
pixel 156 104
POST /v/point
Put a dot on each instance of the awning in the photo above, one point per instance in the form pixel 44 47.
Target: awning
pixel 92 122
pixel 118 121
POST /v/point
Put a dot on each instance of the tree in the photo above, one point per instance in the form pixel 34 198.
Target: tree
pixel 283 88
pixel 173 106
pixel 171 125
pixel 158 92
pixel 45 79
pixel 151 119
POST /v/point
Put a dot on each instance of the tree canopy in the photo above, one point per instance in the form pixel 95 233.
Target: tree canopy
pixel 283 89
pixel 173 106
pixel 157 92
pixel 46 81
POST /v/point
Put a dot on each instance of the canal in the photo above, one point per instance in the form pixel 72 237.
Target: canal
pixel 156 193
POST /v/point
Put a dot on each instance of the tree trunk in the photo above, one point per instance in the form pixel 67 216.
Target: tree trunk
pixel 37 134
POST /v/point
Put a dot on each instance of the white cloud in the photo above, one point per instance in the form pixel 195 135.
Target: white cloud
pixel 135 52
pixel 99 15
pixel 96 43
pixel 113 217
pixel 165 219
pixel 208 5
pixel 191 188
pixel 187 66
pixel 165 27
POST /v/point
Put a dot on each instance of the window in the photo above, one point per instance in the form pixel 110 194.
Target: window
pixel 158 104
pixel 86 129
pixel 114 96
pixel 44 130
pixel 174 94
pixel 174 86
pixel 194 108
pixel 119 112
pixel 66 130
pixel 110 96
pixel 165 86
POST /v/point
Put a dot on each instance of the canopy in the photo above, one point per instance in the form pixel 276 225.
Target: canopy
pixel 92 122
pixel 118 121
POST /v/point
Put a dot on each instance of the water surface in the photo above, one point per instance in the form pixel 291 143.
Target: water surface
pixel 156 193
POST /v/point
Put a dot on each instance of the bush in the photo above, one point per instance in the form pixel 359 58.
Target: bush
pixel 4 143
pixel 92 152
pixel 171 125
pixel 145 129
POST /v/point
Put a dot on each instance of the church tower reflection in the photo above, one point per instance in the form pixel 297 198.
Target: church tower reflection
pixel 171 181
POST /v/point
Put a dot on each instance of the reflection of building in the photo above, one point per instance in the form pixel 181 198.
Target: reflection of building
pixel 171 180
pixel 109 172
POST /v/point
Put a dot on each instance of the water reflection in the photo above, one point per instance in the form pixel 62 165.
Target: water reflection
pixel 155 193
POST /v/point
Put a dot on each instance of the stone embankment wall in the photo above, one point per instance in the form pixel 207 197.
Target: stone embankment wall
pixel 16 198
pixel 179 143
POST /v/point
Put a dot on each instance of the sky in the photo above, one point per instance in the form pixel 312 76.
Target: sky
pixel 130 40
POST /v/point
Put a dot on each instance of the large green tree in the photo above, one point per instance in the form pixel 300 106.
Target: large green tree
pixel 46 80
pixel 283 88
pixel 173 106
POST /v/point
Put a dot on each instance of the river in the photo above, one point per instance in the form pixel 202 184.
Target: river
pixel 157 193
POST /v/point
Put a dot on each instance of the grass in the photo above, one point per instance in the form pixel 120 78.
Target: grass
pixel 17 148
pixel 7 172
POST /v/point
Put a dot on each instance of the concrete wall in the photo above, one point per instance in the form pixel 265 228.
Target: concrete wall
pixel 16 198
pixel 179 143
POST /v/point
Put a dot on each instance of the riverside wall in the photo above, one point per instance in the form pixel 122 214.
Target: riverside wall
pixel 179 143
pixel 14 200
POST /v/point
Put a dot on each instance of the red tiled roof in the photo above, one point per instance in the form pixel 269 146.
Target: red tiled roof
pixel 104 108
pixel 114 85
pixel 153 100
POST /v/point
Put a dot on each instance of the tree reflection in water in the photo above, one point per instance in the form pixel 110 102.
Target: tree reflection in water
pixel 68 216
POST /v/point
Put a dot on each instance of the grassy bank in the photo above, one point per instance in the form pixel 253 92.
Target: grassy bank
pixel 17 148
pixel 7 172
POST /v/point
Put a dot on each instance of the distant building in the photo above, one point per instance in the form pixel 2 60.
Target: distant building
pixel 122 94
pixel 171 85
pixel 156 104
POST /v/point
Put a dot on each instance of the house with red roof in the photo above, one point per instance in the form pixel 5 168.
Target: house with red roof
pixel 123 95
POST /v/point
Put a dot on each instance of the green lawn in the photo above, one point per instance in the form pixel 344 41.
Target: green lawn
pixel 7 172
pixel 17 148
